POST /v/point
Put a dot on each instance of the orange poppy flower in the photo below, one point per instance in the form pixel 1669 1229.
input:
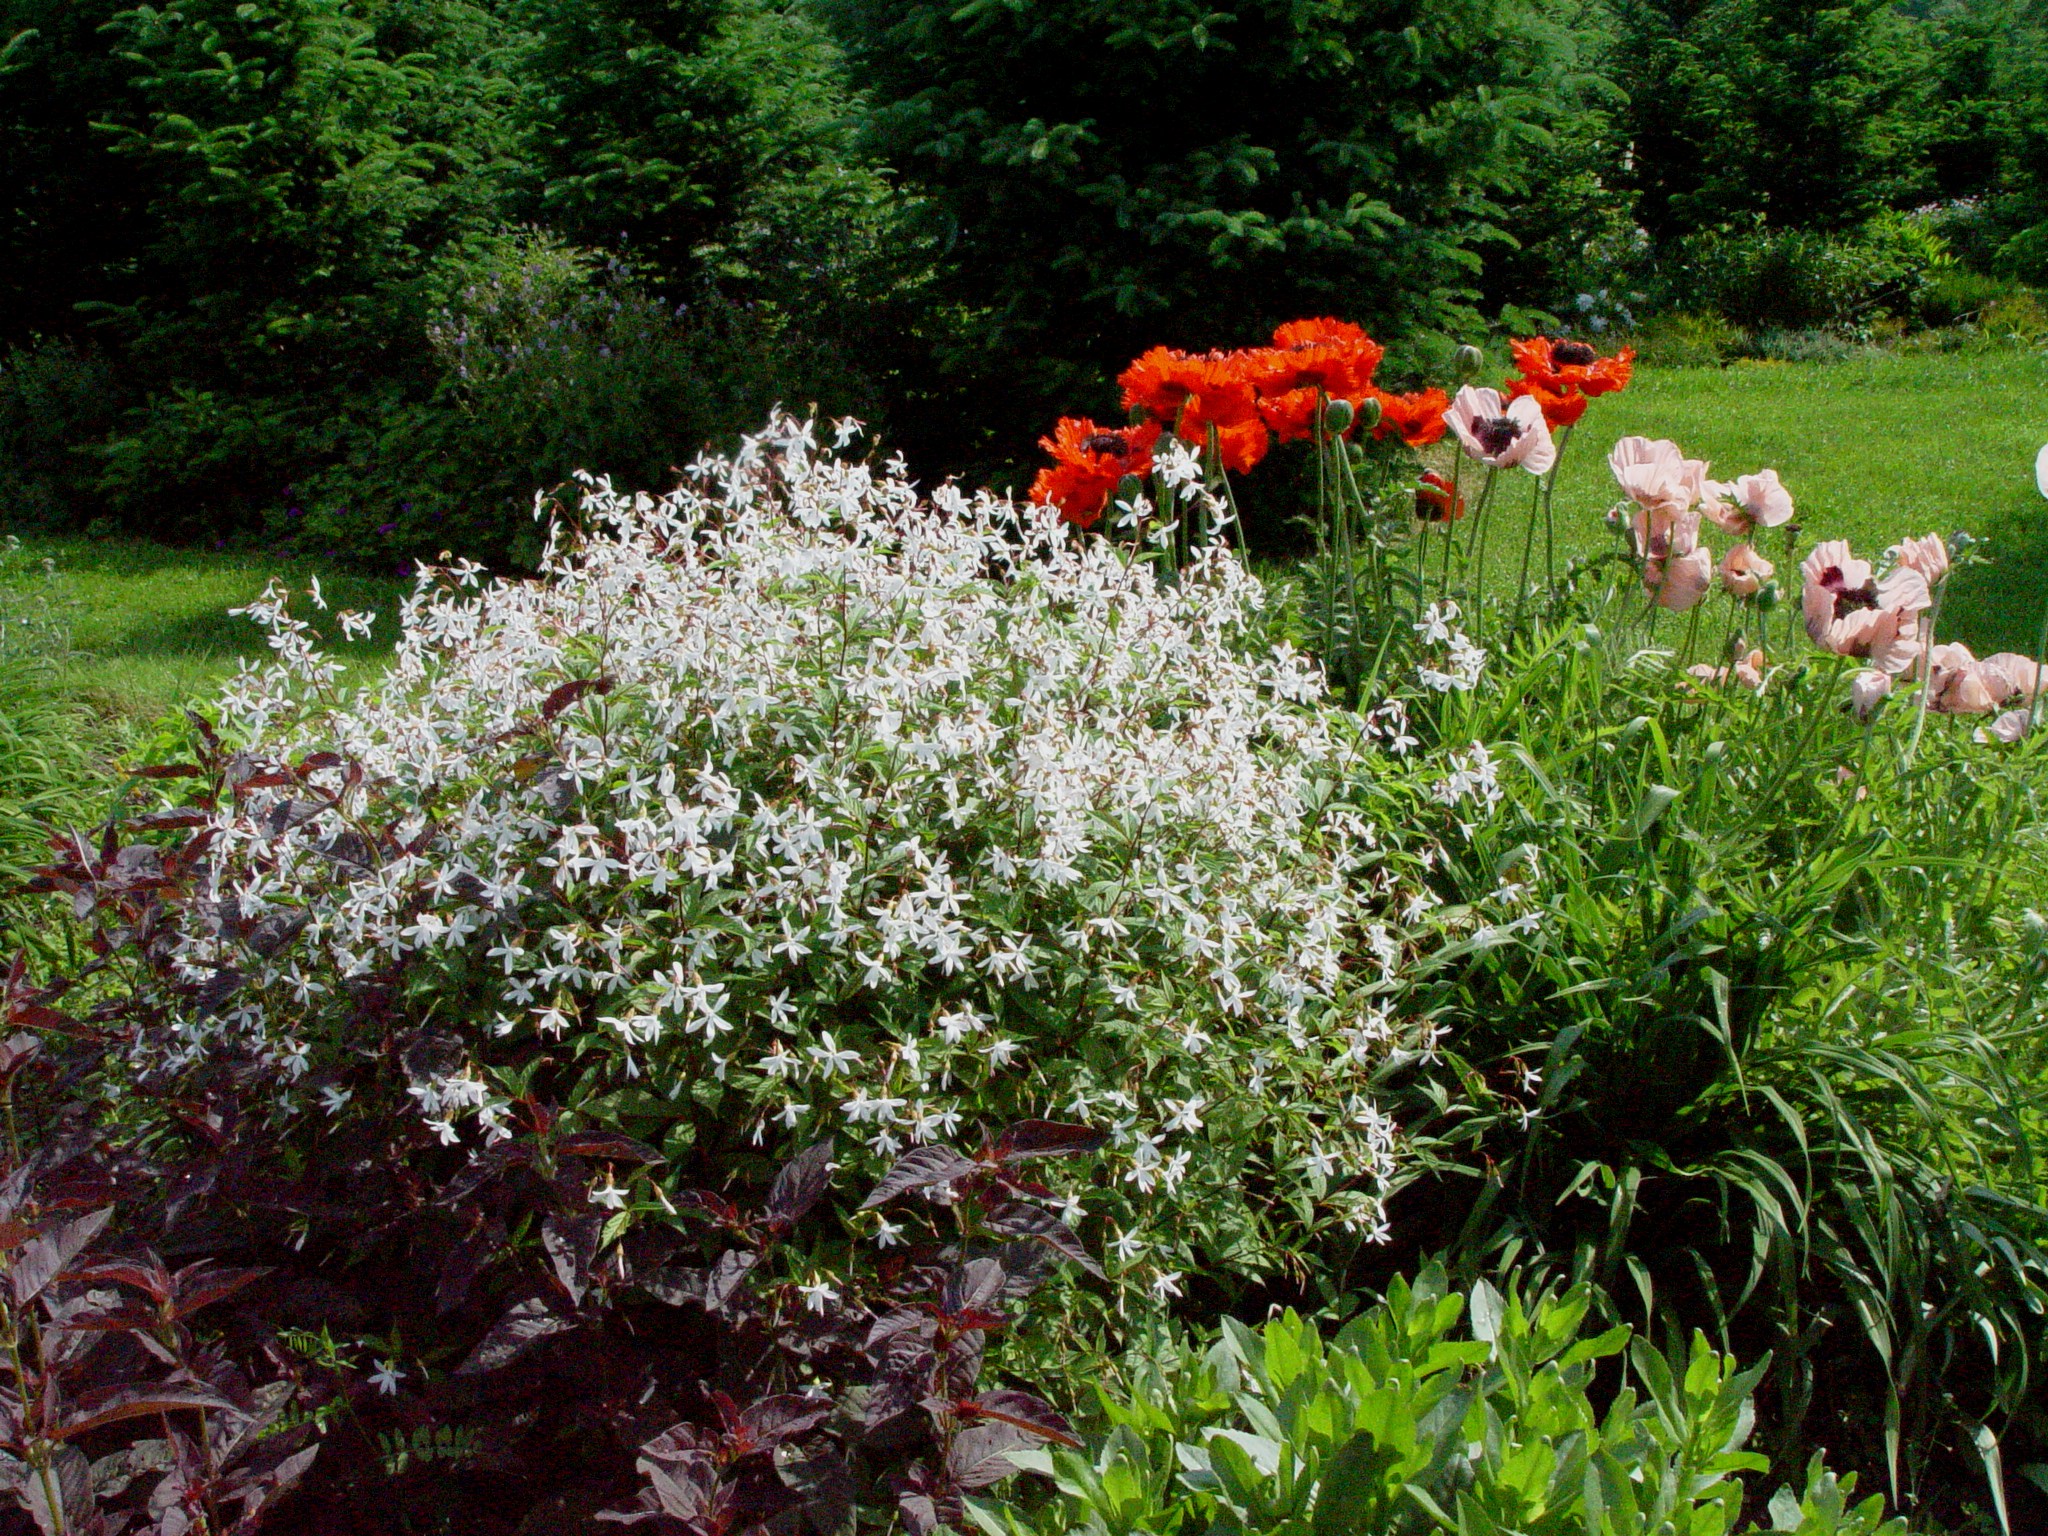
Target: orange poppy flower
pixel 1562 407
pixel 1291 413
pixel 1334 356
pixel 1436 500
pixel 1088 462
pixel 1417 418
pixel 1242 444
pixel 1558 364
pixel 1169 386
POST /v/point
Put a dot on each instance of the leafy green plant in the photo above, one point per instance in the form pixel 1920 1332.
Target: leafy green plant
pixel 1759 1062
pixel 1403 1422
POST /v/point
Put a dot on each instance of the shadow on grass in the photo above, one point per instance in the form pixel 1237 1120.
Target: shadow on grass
pixel 1997 606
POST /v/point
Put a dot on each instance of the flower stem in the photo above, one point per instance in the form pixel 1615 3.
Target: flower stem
pixel 1927 672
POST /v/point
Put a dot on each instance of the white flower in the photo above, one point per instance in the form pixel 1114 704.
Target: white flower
pixel 818 1294
pixel 609 1195
pixel 386 1378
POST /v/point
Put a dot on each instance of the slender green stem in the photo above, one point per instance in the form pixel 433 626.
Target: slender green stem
pixel 1549 524
pixel 2040 661
pixel 1927 673
pixel 1528 548
pixel 1479 554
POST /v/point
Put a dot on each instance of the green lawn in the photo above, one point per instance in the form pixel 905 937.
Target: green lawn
pixel 148 626
pixel 1872 450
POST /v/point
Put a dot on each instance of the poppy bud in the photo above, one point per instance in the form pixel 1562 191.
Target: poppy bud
pixel 1767 596
pixel 1338 416
pixel 1369 413
pixel 1137 416
pixel 1128 490
pixel 1469 361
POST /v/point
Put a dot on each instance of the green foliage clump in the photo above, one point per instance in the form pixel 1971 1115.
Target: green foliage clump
pixel 1403 1422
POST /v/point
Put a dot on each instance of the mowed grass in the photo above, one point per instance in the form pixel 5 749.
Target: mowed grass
pixel 1873 450
pixel 148 627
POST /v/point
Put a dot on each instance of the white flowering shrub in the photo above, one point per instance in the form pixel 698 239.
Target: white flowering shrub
pixel 793 804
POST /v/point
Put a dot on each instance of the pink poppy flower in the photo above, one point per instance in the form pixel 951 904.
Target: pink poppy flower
pixel 1660 534
pixel 2021 675
pixel 2014 723
pixel 1867 690
pixel 1749 502
pixel 1850 613
pixel 1927 554
pixel 1682 580
pixel 1957 684
pixel 1504 434
pixel 1744 571
pixel 1656 476
pixel 1748 671
pixel 2041 471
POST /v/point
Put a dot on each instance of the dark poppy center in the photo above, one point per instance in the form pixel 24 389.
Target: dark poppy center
pixel 1573 354
pixel 1496 433
pixel 1848 599
pixel 1104 442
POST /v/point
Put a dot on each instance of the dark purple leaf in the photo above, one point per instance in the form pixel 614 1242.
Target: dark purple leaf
pixel 769 1422
pixel 674 1285
pixel 607 1147
pixel 47 1255
pixel 571 1242
pixel 1026 1412
pixel 801 1182
pixel 1036 1224
pixel 824 1484
pixel 570 692
pixel 169 771
pixel 110 1405
pixel 705 1203
pixel 960 1367
pixel 201 1285
pixel 524 1326
pixel 920 1168
pixel 726 1277
pixel 465 1261
pixel 920 1517
pixel 980 1455
pixel 1046 1138
pixel 972 1287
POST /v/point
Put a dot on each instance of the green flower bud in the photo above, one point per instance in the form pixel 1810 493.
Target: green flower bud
pixel 1470 361
pixel 1768 596
pixel 1128 490
pixel 1338 416
pixel 1368 414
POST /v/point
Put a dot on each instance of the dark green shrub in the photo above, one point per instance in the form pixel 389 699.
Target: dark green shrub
pixel 1958 296
pixel 56 401
pixel 1688 341
pixel 1794 279
pixel 1097 181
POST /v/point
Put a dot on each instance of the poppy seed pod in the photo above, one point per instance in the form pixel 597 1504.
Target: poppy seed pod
pixel 1469 361
pixel 1338 416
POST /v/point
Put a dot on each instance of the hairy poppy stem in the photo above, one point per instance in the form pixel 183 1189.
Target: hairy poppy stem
pixel 1927 674
pixel 1528 548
